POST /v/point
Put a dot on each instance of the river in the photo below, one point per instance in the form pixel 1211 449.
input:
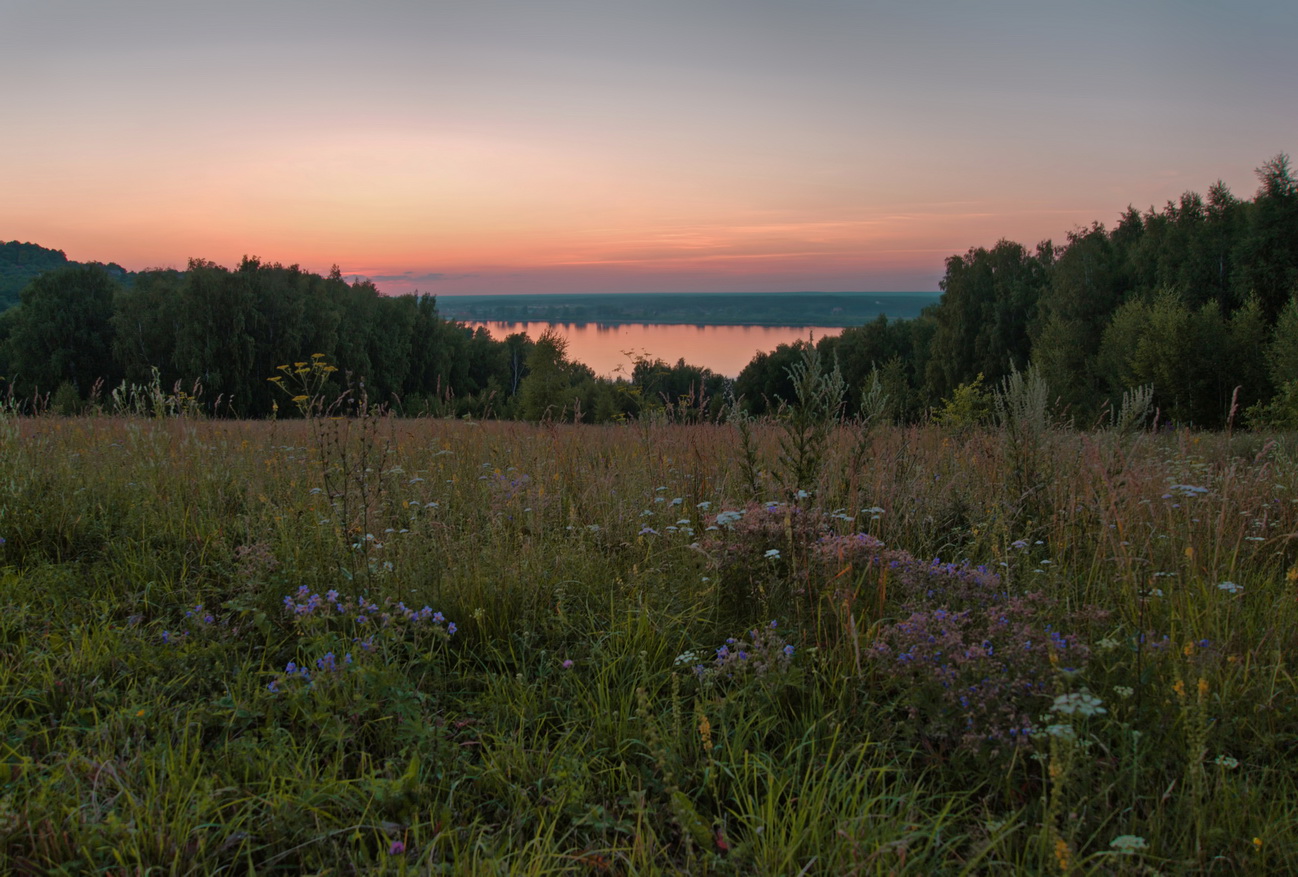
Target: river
pixel 612 350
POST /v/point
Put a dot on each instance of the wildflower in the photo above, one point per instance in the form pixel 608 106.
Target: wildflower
pixel 773 553
pixel 1063 855
pixel 1230 588
pixel 1226 761
pixel 1179 688
pixel 568 664
pixel 1128 843
pixel 1079 703
pixel 1257 843
pixel 450 628
pixel 397 848
pixel 788 651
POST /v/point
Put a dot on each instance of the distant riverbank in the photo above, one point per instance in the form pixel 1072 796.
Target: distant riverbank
pixel 786 309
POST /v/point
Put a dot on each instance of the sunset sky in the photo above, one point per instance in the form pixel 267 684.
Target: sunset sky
pixel 699 145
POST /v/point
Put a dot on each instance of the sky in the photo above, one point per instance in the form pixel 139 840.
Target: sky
pixel 666 145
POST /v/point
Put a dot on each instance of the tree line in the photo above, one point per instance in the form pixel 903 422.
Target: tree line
pixel 1196 300
pixel 217 337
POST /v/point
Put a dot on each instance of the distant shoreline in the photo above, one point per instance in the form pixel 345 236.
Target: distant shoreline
pixel 769 309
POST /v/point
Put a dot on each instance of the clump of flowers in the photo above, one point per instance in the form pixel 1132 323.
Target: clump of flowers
pixel 201 619
pixel 370 625
pixel 769 550
pixel 770 544
pixel 762 651
pixel 362 611
pixel 978 677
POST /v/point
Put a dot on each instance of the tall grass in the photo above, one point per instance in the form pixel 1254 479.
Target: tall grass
pixel 217 657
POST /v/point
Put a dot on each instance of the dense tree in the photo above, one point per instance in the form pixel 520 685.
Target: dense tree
pixel 146 322
pixel 989 300
pixel 214 343
pixel 1268 263
pixel 764 384
pixel 893 348
pixel 1282 352
pixel 548 392
pixel 62 332
pixel 1164 342
pixel 688 391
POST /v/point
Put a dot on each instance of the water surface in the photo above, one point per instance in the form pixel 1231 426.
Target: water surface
pixel 612 350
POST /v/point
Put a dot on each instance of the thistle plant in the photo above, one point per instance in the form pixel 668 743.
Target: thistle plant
pixel 808 419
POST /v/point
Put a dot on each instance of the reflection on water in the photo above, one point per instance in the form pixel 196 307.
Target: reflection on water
pixel 612 350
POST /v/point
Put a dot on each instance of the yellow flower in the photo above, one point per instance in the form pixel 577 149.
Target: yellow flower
pixel 1179 688
pixel 139 713
pixel 705 732
pixel 1257 843
pixel 1063 855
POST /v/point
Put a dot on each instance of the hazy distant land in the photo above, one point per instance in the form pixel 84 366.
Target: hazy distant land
pixel 837 309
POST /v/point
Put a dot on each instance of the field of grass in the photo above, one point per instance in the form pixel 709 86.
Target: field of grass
pixel 425 646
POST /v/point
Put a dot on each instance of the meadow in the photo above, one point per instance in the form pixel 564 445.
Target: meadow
pixel 423 646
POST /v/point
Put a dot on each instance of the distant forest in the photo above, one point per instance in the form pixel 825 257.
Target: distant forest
pixel 828 309
pixel 1196 300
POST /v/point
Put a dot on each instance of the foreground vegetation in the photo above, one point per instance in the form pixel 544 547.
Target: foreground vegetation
pixel 437 646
